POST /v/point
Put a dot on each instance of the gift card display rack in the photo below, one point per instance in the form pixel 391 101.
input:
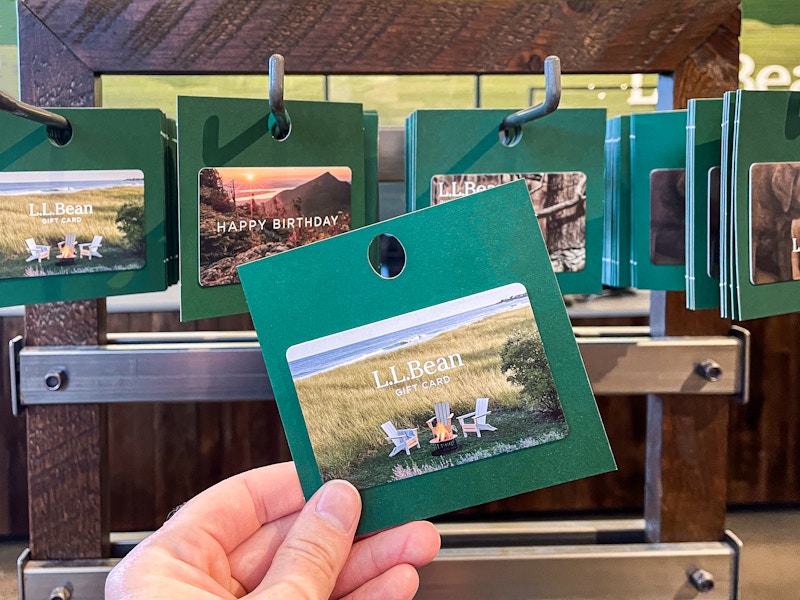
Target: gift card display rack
pixel 66 370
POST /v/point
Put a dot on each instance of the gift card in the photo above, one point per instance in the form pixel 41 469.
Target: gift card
pixel 71 222
pixel 449 359
pixel 558 198
pixel 89 218
pixel 252 212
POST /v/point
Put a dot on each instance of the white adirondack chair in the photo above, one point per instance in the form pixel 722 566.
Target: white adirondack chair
pixel 443 416
pixel 90 248
pixel 38 251
pixel 67 247
pixel 478 417
pixel 403 439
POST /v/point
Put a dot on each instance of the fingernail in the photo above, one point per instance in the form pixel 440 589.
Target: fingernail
pixel 339 505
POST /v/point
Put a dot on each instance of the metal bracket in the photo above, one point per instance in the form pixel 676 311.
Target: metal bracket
pixel 15 346
pixel 743 335
pixel 186 367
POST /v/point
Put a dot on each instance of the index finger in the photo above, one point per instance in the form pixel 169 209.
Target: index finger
pixel 234 509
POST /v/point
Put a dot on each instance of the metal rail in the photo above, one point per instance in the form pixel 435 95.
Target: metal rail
pixel 228 366
pixel 563 560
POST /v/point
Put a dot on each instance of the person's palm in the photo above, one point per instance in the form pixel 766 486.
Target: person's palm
pixel 247 538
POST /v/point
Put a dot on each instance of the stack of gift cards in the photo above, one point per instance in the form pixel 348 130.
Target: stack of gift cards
pixel 658 212
pixel 617 217
pixel 703 154
pixel 760 206
pixel 89 218
pixel 245 195
pixel 454 153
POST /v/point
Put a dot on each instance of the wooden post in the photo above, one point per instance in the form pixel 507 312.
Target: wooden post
pixel 687 436
pixel 67 487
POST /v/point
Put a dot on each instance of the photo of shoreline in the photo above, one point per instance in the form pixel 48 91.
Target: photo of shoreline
pixel 483 349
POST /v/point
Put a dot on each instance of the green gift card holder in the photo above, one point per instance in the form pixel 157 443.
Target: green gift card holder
pixel 90 218
pixel 703 155
pixel 658 209
pixel 450 153
pixel 455 382
pixel 766 203
pixel 244 195
pixel 617 222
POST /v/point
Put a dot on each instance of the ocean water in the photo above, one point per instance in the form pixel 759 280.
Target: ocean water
pixel 415 334
pixel 14 188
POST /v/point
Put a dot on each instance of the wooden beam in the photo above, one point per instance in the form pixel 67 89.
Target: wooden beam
pixel 687 436
pixel 381 36
pixel 67 473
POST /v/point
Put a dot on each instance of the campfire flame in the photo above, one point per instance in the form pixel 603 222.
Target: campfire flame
pixel 67 252
pixel 441 433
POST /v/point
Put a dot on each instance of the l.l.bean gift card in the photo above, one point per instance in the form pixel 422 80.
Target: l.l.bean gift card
pixel 454 382
pixel 89 218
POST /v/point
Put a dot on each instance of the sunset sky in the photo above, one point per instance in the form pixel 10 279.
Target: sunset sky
pixel 264 182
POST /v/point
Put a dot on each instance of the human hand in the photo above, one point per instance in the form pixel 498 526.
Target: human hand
pixel 253 536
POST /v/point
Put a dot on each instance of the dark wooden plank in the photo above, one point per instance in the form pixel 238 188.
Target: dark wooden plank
pixel 765 434
pixel 50 74
pixel 381 36
pixel 67 474
pixel 67 469
pixel 687 436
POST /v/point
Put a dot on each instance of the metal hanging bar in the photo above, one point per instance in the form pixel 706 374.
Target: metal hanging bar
pixel 511 127
pixel 183 368
pixel 280 125
pixel 58 127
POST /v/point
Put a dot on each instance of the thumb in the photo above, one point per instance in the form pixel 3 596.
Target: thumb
pixel 308 562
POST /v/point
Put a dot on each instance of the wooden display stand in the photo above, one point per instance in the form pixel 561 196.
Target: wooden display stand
pixel 66 44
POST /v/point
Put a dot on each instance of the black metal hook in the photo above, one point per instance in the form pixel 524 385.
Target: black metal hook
pixel 511 127
pixel 280 125
pixel 58 128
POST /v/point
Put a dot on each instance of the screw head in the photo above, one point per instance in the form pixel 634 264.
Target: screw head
pixel 710 370
pixel 702 580
pixel 55 379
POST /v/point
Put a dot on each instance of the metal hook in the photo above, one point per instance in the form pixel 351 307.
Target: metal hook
pixel 58 128
pixel 280 125
pixel 511 127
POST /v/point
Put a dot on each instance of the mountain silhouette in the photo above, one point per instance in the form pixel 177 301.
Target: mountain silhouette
pixel 323 195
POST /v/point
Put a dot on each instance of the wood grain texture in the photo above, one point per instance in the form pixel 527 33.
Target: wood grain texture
pixel 50 74
pixel 381 36
pixel 67 458
pixel 687 436
pixel 67 474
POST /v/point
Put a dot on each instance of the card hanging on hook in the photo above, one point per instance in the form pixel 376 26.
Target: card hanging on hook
pixel 703 171
pixel 765 204
pixel 449 381
pixel 617 221
pixel 86 208
pixel 245 194
pixel 658 200
pixel 454 153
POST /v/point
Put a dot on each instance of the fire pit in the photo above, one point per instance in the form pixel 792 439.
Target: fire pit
pixel 67 255
pixel 443 440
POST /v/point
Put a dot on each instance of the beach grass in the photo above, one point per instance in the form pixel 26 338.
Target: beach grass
pixel 15 211
pixel 343 408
